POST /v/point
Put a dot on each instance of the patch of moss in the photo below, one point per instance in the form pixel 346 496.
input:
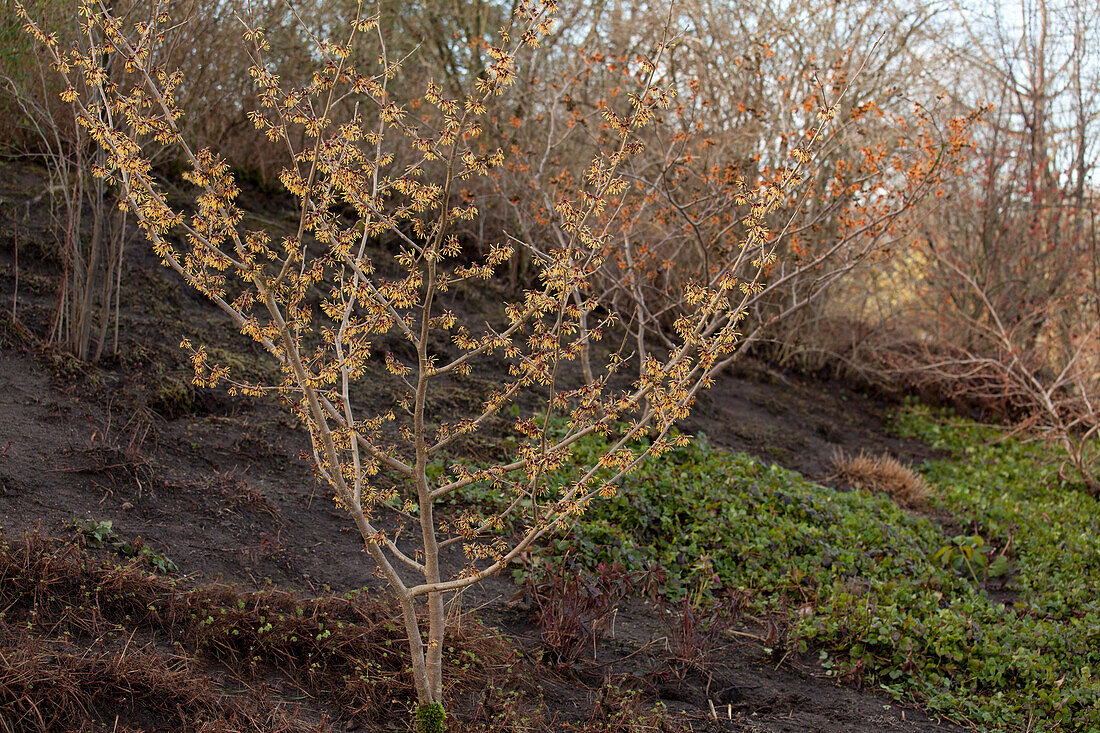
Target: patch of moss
pixel 173 397
pixel 431 718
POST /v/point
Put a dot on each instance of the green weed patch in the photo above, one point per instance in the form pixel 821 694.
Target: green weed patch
pixel 996 626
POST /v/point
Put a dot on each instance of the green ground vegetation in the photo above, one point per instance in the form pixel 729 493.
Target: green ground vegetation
pixel 985 608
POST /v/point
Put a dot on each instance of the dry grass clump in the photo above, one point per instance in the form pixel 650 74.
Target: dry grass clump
pixel 83 639
pixel 59 685
pixel 121 649
pixel 882 474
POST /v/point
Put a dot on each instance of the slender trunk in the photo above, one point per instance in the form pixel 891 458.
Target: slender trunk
pixel 436 621
pixel 436 631
pixel 416 652
pixel 97 290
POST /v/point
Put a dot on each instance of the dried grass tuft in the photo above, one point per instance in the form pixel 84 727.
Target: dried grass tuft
pixel 882 474
pixel 66 613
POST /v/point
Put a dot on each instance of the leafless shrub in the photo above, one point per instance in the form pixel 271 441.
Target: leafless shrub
pixel 1040 365
pixel 90 229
